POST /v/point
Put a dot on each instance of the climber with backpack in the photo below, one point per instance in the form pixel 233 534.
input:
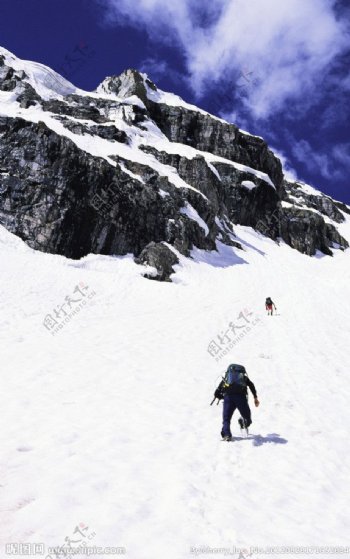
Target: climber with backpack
pixel 233 390
pixel 269 304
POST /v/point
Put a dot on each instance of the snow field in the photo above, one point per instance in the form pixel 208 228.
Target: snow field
pixel 108 422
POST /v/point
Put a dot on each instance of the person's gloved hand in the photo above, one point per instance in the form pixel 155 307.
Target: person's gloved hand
pixel 218 394
pixel 256 402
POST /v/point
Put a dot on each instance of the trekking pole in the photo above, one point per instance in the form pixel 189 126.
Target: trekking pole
pixel 213 400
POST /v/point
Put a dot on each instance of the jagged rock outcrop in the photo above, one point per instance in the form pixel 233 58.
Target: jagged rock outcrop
pixel 9 78
pixel 60 199
pixel 129 83
pixel 125 170
pixel 83 111
pixel 306 230
pixel 161 258
pixel 208 134
pixel 293 192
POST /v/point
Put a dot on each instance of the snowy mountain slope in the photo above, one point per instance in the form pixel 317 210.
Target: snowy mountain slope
pixel 107 423
pixel 45 81
pixel 129 168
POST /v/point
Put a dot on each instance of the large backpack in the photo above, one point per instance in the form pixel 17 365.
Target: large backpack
pixel 268 301
pixel 235 378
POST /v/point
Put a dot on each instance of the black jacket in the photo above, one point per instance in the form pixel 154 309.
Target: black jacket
pixel 233 389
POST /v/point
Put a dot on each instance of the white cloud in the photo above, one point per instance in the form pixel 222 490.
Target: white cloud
pixel 289 45
pixel 162 19
pixel 314 162
pixel 333 165
pixel 341 154
pixel 156 69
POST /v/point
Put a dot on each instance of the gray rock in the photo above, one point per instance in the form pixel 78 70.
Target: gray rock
pixel 160 257
pixel 206 133
pixel 7 81
pixel 28 97
pixel 129 83
pixel 307 232
pixel 322 203
pixel 106 132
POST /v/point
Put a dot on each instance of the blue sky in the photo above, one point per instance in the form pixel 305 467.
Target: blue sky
pixel 279 69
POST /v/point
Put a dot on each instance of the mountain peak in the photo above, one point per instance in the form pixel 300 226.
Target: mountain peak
pixel 129 82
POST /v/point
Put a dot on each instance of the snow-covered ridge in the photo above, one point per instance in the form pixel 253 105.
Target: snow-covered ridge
pixel 310 190
pixel 173 100
pixel 50 85
pixel 46 82
pixel 152 92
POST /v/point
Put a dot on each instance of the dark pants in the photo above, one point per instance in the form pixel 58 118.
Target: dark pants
pixel 231 402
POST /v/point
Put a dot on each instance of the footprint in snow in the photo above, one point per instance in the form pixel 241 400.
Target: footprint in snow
pixel 23 503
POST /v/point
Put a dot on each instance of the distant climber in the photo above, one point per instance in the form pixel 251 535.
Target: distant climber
pixel 233 390
pixel 270 305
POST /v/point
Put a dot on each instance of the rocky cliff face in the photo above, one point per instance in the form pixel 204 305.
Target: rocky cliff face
pixel 131 169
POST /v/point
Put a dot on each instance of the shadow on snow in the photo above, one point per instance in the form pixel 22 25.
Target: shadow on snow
pixel 224 257
pixel 259 440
